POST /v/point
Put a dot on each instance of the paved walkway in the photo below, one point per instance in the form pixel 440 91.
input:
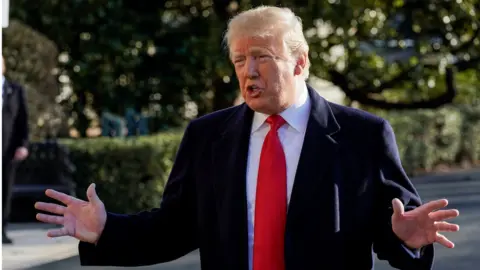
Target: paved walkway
pixel 32 247
pixel 32 250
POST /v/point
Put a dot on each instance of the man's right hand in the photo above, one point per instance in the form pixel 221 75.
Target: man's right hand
pixel 80 219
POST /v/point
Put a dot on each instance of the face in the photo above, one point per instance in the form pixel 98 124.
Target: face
pixel 266 73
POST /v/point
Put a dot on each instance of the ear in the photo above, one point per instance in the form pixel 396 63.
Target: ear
pixel 300 64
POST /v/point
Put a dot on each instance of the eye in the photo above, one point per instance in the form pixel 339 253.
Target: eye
pixel 264 57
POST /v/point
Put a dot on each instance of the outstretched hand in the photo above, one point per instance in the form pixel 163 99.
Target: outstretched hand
pixel 80 219
pixel 421 226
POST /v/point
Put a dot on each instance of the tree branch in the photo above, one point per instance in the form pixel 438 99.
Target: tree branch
pixel 340 80
pixel 463 65
pixel 402 76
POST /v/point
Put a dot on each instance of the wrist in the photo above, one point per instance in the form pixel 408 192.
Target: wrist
pixel 410 245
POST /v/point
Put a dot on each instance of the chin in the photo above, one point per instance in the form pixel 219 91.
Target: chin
pixel 261 106
pixel 256 105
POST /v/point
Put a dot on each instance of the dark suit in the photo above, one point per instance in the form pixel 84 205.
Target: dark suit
pixel 14 135
pixel 349 172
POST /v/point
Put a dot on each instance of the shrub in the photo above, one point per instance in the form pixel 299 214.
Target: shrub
pixel 427 138
pixel 31 61
pixel 130 173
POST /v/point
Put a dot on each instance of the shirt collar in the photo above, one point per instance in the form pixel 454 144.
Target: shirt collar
pixel 296 115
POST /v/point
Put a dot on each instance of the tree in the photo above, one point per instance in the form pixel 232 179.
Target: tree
pixel 30 60
pixel 394 54
pixel 155 56
pixel 163 56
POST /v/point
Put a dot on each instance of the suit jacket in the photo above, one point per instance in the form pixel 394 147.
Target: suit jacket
pixel 349 172
pixel 14 119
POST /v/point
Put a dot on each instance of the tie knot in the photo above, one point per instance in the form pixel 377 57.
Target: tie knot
pixel 275 121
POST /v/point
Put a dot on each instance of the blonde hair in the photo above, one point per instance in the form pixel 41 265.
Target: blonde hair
pixel 269 21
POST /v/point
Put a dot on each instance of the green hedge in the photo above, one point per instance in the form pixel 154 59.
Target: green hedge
pixel 129 173
pixel 427 138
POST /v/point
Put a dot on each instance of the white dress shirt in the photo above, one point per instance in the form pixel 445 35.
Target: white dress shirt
pixel 291 136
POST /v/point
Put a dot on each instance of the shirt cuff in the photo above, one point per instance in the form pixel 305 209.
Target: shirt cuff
pixel 414 253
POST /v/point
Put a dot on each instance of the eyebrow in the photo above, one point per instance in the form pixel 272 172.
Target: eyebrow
pixel 254 51
pixel 257 50
pixel 237 55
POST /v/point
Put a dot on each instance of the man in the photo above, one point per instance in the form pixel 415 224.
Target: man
pixel 14 141
pixel 286 180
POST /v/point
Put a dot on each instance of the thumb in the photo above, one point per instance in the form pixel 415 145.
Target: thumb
pixel 92 194
pixel 398 208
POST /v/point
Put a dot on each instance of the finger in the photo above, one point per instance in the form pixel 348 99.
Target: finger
pixel 442 240
pixel 433 205
pixel 398 208
pixel 50 219
pixel 446 227
pixel 92 195
pixel 444 214
pixel 57 232
pixel 59 196
pixel 50 207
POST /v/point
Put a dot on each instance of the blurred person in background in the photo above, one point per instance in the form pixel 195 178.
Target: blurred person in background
pixel 237 171
pixel 14 141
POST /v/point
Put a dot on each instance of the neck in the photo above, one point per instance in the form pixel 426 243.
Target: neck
pixel 300 94
pixel 299 97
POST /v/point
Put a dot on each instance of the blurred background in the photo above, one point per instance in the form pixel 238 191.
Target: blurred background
pixel 110 85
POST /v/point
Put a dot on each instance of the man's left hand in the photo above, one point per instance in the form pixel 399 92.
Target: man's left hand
pixel 21 153
pixel 421 226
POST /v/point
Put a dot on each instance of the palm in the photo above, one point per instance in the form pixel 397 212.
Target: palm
pixel 422 225
pixel 415 229
pixel 80 219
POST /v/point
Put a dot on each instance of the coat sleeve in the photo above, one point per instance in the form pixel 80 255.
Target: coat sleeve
pixel 155 236
pixel 394 183
pixel 21 121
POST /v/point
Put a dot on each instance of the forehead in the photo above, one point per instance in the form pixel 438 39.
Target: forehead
pixel 247 45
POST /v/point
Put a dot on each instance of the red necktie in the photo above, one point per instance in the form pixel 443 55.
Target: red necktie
pixel 271 202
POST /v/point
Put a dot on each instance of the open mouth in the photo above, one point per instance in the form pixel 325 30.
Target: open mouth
pixel 253 90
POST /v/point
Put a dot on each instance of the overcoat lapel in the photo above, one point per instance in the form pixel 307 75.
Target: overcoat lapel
pixel 230 154
pixel 314 182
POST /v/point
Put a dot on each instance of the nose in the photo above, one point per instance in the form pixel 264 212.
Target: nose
pixel 252 68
